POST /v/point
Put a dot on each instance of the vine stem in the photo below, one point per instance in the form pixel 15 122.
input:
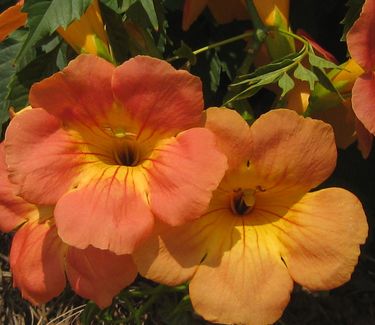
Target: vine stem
pixel 217 44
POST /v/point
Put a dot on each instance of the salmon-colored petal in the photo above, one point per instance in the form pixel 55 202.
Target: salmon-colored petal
pixel 365 139
pixel 13 209
pixel 80 93
pixel 291 152
pixel 99 275
pixel 42 157
pixel 245 281
pixel 185 171
pixel 11 19
pixel 232 134
pixel 192 9
pixel 157 96
pixel 321 235
pixel 109 213
pixel 37 262
pixel 360 38
pixel 363 100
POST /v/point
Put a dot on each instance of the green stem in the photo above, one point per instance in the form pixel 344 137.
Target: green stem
pixel 257 22
pixel 224 42
pixel 217 44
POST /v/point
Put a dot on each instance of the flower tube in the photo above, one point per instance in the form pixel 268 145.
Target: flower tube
pixel 87 34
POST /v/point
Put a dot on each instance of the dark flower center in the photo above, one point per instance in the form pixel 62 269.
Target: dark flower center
pixel 128 154
pixel 243 201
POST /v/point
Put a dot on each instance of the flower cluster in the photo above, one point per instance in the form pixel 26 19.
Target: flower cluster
pixel 105 164
pixel 117 170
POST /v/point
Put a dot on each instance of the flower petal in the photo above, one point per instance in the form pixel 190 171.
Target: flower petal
pixel 185 171
pixel 11 19
pixel 99 275
pixel 245 281
pixel 291 152
pixel 172 254
pixel 13 209
pixel 37 262
pixel 232 134
pixel 360 38
pixel 192 9
pixel 81 92
pixel 321 235
pixel 109 213
pixel 342 119
pixel 42 158
pixel 365 139
pixel 157 96
pixel 363 100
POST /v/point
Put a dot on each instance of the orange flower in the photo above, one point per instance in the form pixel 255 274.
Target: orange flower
pixel 262 230
pixel 87 34
pixel 39 259
pixel 272 13
pixel 361 45
pixel 112 147
pixel 12 19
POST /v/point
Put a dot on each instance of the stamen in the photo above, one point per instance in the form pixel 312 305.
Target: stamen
pixel 243 201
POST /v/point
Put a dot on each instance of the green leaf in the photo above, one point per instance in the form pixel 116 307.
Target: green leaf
pixel 45 16
pixel 117 35
pixel 149 7
pixel 41 67
pixel 320 62
pixel 325 81
pixel 304 74
pixel 89 313
pixel 9 49
pixel 286 83
pixel 217 67
pixel 273 66
pixel 185 52
pixel 355 7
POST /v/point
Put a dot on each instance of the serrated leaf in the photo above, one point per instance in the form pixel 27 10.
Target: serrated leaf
pixel 45 16
pixel 273 66
pixel 304 74
pixel 286 83
pixel 149 7
pixel 320 62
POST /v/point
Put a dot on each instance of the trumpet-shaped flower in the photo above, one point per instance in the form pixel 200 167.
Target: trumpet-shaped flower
pixel 114 148
pixel 272 13
pixel 39 259
pixel 361 45
pixel 87 34
pixel 262 230
pixel 12 19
